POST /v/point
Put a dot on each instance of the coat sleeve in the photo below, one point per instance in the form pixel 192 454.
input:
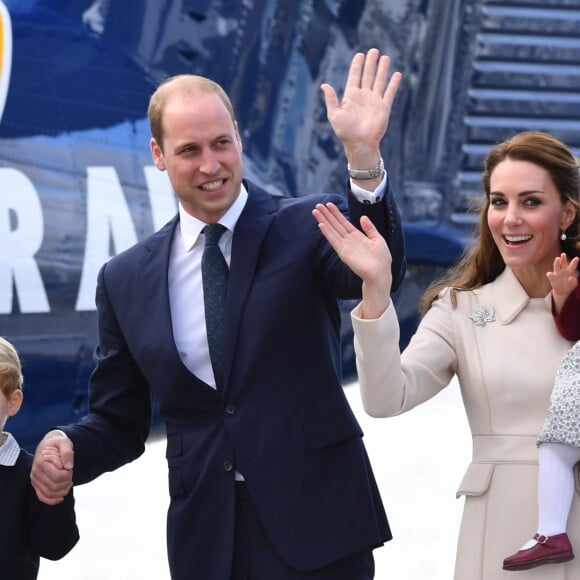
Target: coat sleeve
pixel 392 383
pixel 114 431
pixel 568 319
pixel 53 531
pixel 387 219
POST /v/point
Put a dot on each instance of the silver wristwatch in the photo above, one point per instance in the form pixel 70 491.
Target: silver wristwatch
pixel 367 173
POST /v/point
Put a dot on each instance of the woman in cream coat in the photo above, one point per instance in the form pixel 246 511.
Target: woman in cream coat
pixel 489 322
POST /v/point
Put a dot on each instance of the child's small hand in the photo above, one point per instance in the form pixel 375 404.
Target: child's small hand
pixel 52 455
pixel 52 476
pixel 563 279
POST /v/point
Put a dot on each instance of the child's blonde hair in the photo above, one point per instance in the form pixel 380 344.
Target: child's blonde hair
pixel 10 368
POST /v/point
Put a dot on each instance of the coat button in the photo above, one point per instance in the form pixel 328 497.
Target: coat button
pixel 228 465
pixel 230 409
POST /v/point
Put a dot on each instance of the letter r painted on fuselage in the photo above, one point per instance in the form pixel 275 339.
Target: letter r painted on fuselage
pixel 21 235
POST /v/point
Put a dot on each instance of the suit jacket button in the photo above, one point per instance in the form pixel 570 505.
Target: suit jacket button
pixel 230 409
pixel 228 465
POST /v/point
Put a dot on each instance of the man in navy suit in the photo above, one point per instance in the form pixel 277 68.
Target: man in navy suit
pixel 268 475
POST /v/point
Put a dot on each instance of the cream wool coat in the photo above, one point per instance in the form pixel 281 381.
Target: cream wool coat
pixel 505 360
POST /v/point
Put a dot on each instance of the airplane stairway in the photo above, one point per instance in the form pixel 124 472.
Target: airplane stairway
pixel 524 74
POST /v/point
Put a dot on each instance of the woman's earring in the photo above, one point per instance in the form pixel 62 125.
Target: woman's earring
pixel 563 236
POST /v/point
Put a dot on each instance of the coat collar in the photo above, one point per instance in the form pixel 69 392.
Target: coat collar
pixel 9 450
pixel 509 297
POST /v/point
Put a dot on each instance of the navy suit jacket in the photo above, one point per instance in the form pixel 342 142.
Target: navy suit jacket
pixel 282 419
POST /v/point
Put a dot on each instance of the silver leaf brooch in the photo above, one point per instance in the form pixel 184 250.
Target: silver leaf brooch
pixel 482 315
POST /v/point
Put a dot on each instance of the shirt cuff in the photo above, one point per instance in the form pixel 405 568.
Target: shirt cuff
pixel 365 196
pixel 60 431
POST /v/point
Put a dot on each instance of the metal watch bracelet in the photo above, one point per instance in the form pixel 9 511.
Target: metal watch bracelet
pixel 367 173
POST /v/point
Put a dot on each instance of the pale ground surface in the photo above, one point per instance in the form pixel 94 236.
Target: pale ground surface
pixel 418 458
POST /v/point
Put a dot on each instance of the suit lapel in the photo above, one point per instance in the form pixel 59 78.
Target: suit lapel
pixel 248 237
pixel 154 268
pixel 153 272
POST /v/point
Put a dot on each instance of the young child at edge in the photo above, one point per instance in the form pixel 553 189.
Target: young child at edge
pixel 559 439
pixel 29 529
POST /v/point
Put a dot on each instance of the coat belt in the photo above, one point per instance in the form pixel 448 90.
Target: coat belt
pixel 505 448
pixel 511 449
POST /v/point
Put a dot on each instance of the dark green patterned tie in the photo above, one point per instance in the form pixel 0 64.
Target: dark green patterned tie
pixel 214 272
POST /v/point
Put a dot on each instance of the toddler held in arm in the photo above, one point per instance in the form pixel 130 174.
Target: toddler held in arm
pixel 559 439
pixel 29 529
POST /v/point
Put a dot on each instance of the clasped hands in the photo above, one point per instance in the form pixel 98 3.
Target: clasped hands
pixel 52 468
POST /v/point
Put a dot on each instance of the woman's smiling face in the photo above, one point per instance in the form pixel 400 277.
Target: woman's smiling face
pixel 526 216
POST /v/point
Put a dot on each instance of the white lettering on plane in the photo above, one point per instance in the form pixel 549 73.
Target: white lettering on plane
pixel 110 230
pixel 21 234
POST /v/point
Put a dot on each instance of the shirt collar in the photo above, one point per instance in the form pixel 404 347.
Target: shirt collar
pixel 191 226
pixel 9 451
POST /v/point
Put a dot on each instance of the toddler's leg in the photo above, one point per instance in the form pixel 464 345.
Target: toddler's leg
pixel 555 493
pixel 555 486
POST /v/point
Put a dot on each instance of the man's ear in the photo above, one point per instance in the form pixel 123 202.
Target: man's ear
pixel 14 402
pixel 157 154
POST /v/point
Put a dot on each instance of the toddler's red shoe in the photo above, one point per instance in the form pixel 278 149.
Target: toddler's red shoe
pixel 548 550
